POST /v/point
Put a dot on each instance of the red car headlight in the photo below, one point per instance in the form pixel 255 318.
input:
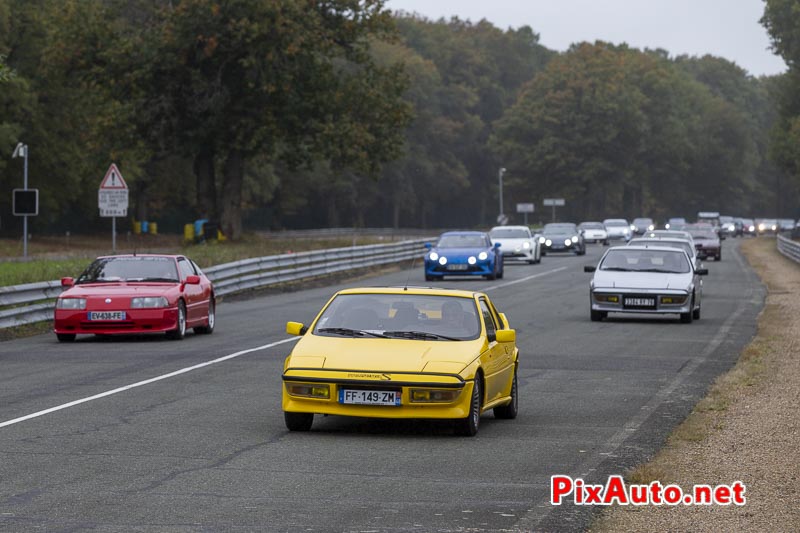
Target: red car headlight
pixel 71 303
pixel 149 302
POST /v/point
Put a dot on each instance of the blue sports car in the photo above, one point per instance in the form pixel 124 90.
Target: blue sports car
pixel 463 253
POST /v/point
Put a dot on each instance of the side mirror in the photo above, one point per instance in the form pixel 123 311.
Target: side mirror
pixel 67 282
pixel 589 268
pixel 428 245
pixel 701 272
pixel 192 280
pixel 506 335
pixel 497 245
pixel 296 328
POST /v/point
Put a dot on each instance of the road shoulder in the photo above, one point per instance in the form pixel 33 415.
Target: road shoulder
pixel 746 429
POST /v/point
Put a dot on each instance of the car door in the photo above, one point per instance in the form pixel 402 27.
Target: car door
pixel 193 294
pixel 497 356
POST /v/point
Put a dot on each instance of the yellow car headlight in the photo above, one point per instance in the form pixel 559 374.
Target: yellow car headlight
pixel 434 395
pixel 673 300
pixel 607 298
pixel 309 390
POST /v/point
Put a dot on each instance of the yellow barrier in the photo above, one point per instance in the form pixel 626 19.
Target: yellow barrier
pixel 137 227
pixel 188 232
pixel 153 229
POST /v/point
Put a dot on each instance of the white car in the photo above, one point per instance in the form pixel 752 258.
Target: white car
pixel 681 244
pixel 645 279
pixel 669 234
pixel 517 242
pixel 618 229
pixel 594 232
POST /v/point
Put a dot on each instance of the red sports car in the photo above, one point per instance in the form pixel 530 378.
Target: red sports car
pixel 136 294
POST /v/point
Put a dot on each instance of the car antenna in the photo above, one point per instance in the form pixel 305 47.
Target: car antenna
pixel 413 261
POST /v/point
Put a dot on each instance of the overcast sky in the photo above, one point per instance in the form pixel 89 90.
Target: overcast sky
pixel 726 28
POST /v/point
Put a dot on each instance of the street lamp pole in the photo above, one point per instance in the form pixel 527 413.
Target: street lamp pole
pixel 22 151
pixel 500 176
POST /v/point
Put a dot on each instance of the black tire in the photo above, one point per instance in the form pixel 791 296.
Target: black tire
pixel 298 421
pixel 428 278
pixel 597 316
pixel 696 314
pixel 509 412
pixel 180 330
pixel 208 329
pixel 718 257
pixel 687 318
pixel 502 271
pixel 65 337
pixel 468 426
pixel 493 275
pixel 605 242
pixel 544 254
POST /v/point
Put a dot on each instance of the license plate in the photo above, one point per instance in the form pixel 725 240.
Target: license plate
pixel 457 267
pixel 640 302
pixel 106 315
pixel 369 397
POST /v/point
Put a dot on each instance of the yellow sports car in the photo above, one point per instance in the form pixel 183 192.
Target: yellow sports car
pixel 402 353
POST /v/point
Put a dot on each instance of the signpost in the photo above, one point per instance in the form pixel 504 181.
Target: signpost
pixel 525 209
pixel 23 196
pixel 554 202
pixel 112 199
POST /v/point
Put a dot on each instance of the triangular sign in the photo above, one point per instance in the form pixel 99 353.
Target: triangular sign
pixel 113 179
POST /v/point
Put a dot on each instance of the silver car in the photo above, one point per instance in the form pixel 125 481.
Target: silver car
pixel 645 279
pixel 517 242
pixel 618 229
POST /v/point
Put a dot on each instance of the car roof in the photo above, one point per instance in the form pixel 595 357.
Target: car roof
pixel 168 256
pixel 510 227
pixel 606 221
pixel 481 233
pixel 646 248
pixel 429 291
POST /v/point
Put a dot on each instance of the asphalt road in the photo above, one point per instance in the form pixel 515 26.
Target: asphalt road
pixel 206 449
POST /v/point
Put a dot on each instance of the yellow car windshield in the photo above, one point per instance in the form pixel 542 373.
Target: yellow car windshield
pixel 408 316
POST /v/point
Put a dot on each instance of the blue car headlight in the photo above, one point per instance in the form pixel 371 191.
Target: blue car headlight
pixel 442 260
pixel 483 256
pixel 434 256
pixel 471 260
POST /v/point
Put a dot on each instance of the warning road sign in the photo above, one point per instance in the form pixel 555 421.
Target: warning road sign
pixel 113 179
pixel 112 197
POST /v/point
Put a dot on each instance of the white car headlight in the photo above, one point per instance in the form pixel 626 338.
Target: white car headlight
pixel 443 260
pixel 651 227
pixel 548 242
pixel 149 302
pixel 633 228
pixel 574 238
pixel 526 245
pixel 666 226
pixel 434 256
pixel 542 240
pixel 567 241
pixel 483 256
pixel 71 303
pixel 471 260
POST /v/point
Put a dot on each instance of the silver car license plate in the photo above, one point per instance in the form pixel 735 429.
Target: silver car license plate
pixel 640 302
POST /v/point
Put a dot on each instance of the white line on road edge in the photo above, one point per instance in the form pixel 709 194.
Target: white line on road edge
pixel 142 383
pixel 493 287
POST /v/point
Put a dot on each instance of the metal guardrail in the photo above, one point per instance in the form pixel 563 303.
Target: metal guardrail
pixel 789 248
pixel 33 302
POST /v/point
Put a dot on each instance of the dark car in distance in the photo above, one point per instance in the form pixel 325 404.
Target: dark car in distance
pixel 562 237
pixel 706 240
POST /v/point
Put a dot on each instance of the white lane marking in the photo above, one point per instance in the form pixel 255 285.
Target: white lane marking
pixel 500 286
pixel 142 383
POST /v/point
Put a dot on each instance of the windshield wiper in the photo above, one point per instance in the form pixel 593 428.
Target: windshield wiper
pixel 418 335
pixel 616 269
pixel 661 270
pixel 170 280
pixel 350 332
